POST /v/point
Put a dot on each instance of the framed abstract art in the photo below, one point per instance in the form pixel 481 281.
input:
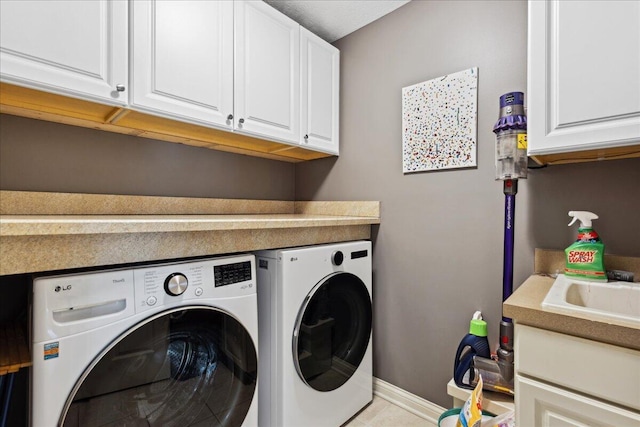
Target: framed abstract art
pixel 439 123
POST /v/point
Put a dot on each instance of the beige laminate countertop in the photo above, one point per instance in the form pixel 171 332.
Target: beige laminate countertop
pixel 50 225
pixel 524 306
pixel 55 231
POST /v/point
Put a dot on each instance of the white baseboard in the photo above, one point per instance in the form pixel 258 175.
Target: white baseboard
pixel 412 403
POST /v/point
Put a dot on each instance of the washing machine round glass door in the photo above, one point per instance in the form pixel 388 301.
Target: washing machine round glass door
pixel 178 368
pixel 332 331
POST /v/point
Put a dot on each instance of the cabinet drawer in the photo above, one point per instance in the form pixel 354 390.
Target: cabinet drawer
pixel 601 370
pixel 548 406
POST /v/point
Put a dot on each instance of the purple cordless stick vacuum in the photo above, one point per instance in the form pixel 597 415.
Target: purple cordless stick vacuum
pixel 511 165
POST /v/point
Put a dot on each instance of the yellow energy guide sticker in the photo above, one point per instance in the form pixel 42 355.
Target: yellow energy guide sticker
pixel 522 141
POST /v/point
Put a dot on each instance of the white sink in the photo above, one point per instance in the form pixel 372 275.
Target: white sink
pixel 615 302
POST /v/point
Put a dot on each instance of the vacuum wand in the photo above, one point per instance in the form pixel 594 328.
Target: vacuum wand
pixel 505 350
pixel 510 188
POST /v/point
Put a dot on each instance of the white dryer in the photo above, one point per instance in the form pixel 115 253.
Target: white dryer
pixel 156 345
pixel 314 308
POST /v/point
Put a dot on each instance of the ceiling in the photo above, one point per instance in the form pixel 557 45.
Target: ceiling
pixel 334 19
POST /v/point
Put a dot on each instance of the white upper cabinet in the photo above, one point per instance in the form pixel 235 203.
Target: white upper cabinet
pixel 73 48
pixel 320 92
pixel 224 64
pixel 267 72
pixel 182 60
pixel 583 75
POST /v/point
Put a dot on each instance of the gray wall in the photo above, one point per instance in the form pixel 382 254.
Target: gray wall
pixel 43 156
pixel 438 251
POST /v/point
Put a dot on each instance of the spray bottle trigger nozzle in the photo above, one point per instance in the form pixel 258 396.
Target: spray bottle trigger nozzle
pixel 585 218
pixel 477 315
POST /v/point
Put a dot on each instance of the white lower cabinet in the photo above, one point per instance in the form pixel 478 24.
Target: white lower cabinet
pixel 549 406
pixel 182 60
pixel 73 48
pixel 563 381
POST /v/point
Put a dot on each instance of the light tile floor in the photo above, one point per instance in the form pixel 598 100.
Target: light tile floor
pixel 382 413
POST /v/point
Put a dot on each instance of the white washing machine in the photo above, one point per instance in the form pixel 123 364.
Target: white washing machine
pixel 156 345
pixel 314 306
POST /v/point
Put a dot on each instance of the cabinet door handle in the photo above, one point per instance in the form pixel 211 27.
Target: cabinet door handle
pixel 230 117
pixel 120 88
pixel 241 121
pixel 306 138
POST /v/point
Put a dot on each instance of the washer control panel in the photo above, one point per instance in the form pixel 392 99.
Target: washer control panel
pixel 228 274
pixel 167 285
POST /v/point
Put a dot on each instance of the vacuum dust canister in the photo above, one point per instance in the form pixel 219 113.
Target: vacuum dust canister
pixel 511 138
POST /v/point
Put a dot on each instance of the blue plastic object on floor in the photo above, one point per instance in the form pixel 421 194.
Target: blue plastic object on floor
pixel 6 387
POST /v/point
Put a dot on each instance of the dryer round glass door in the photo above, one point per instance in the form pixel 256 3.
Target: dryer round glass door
pixel 332 331
pixel 178 368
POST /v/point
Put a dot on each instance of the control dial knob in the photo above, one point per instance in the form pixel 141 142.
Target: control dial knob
pixel 337 257
pixel 175 284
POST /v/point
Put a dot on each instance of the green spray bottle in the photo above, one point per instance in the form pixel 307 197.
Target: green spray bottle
pixel 585 257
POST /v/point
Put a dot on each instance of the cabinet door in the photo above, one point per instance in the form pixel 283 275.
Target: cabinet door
pixel 584 75
pixel 542 405
pixel 569 362
pixel 320 91
pixel 73 48
pixel 267 72
pixel 183 60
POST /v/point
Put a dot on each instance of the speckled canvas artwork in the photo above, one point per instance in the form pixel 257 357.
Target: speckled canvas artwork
pixel 439 123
